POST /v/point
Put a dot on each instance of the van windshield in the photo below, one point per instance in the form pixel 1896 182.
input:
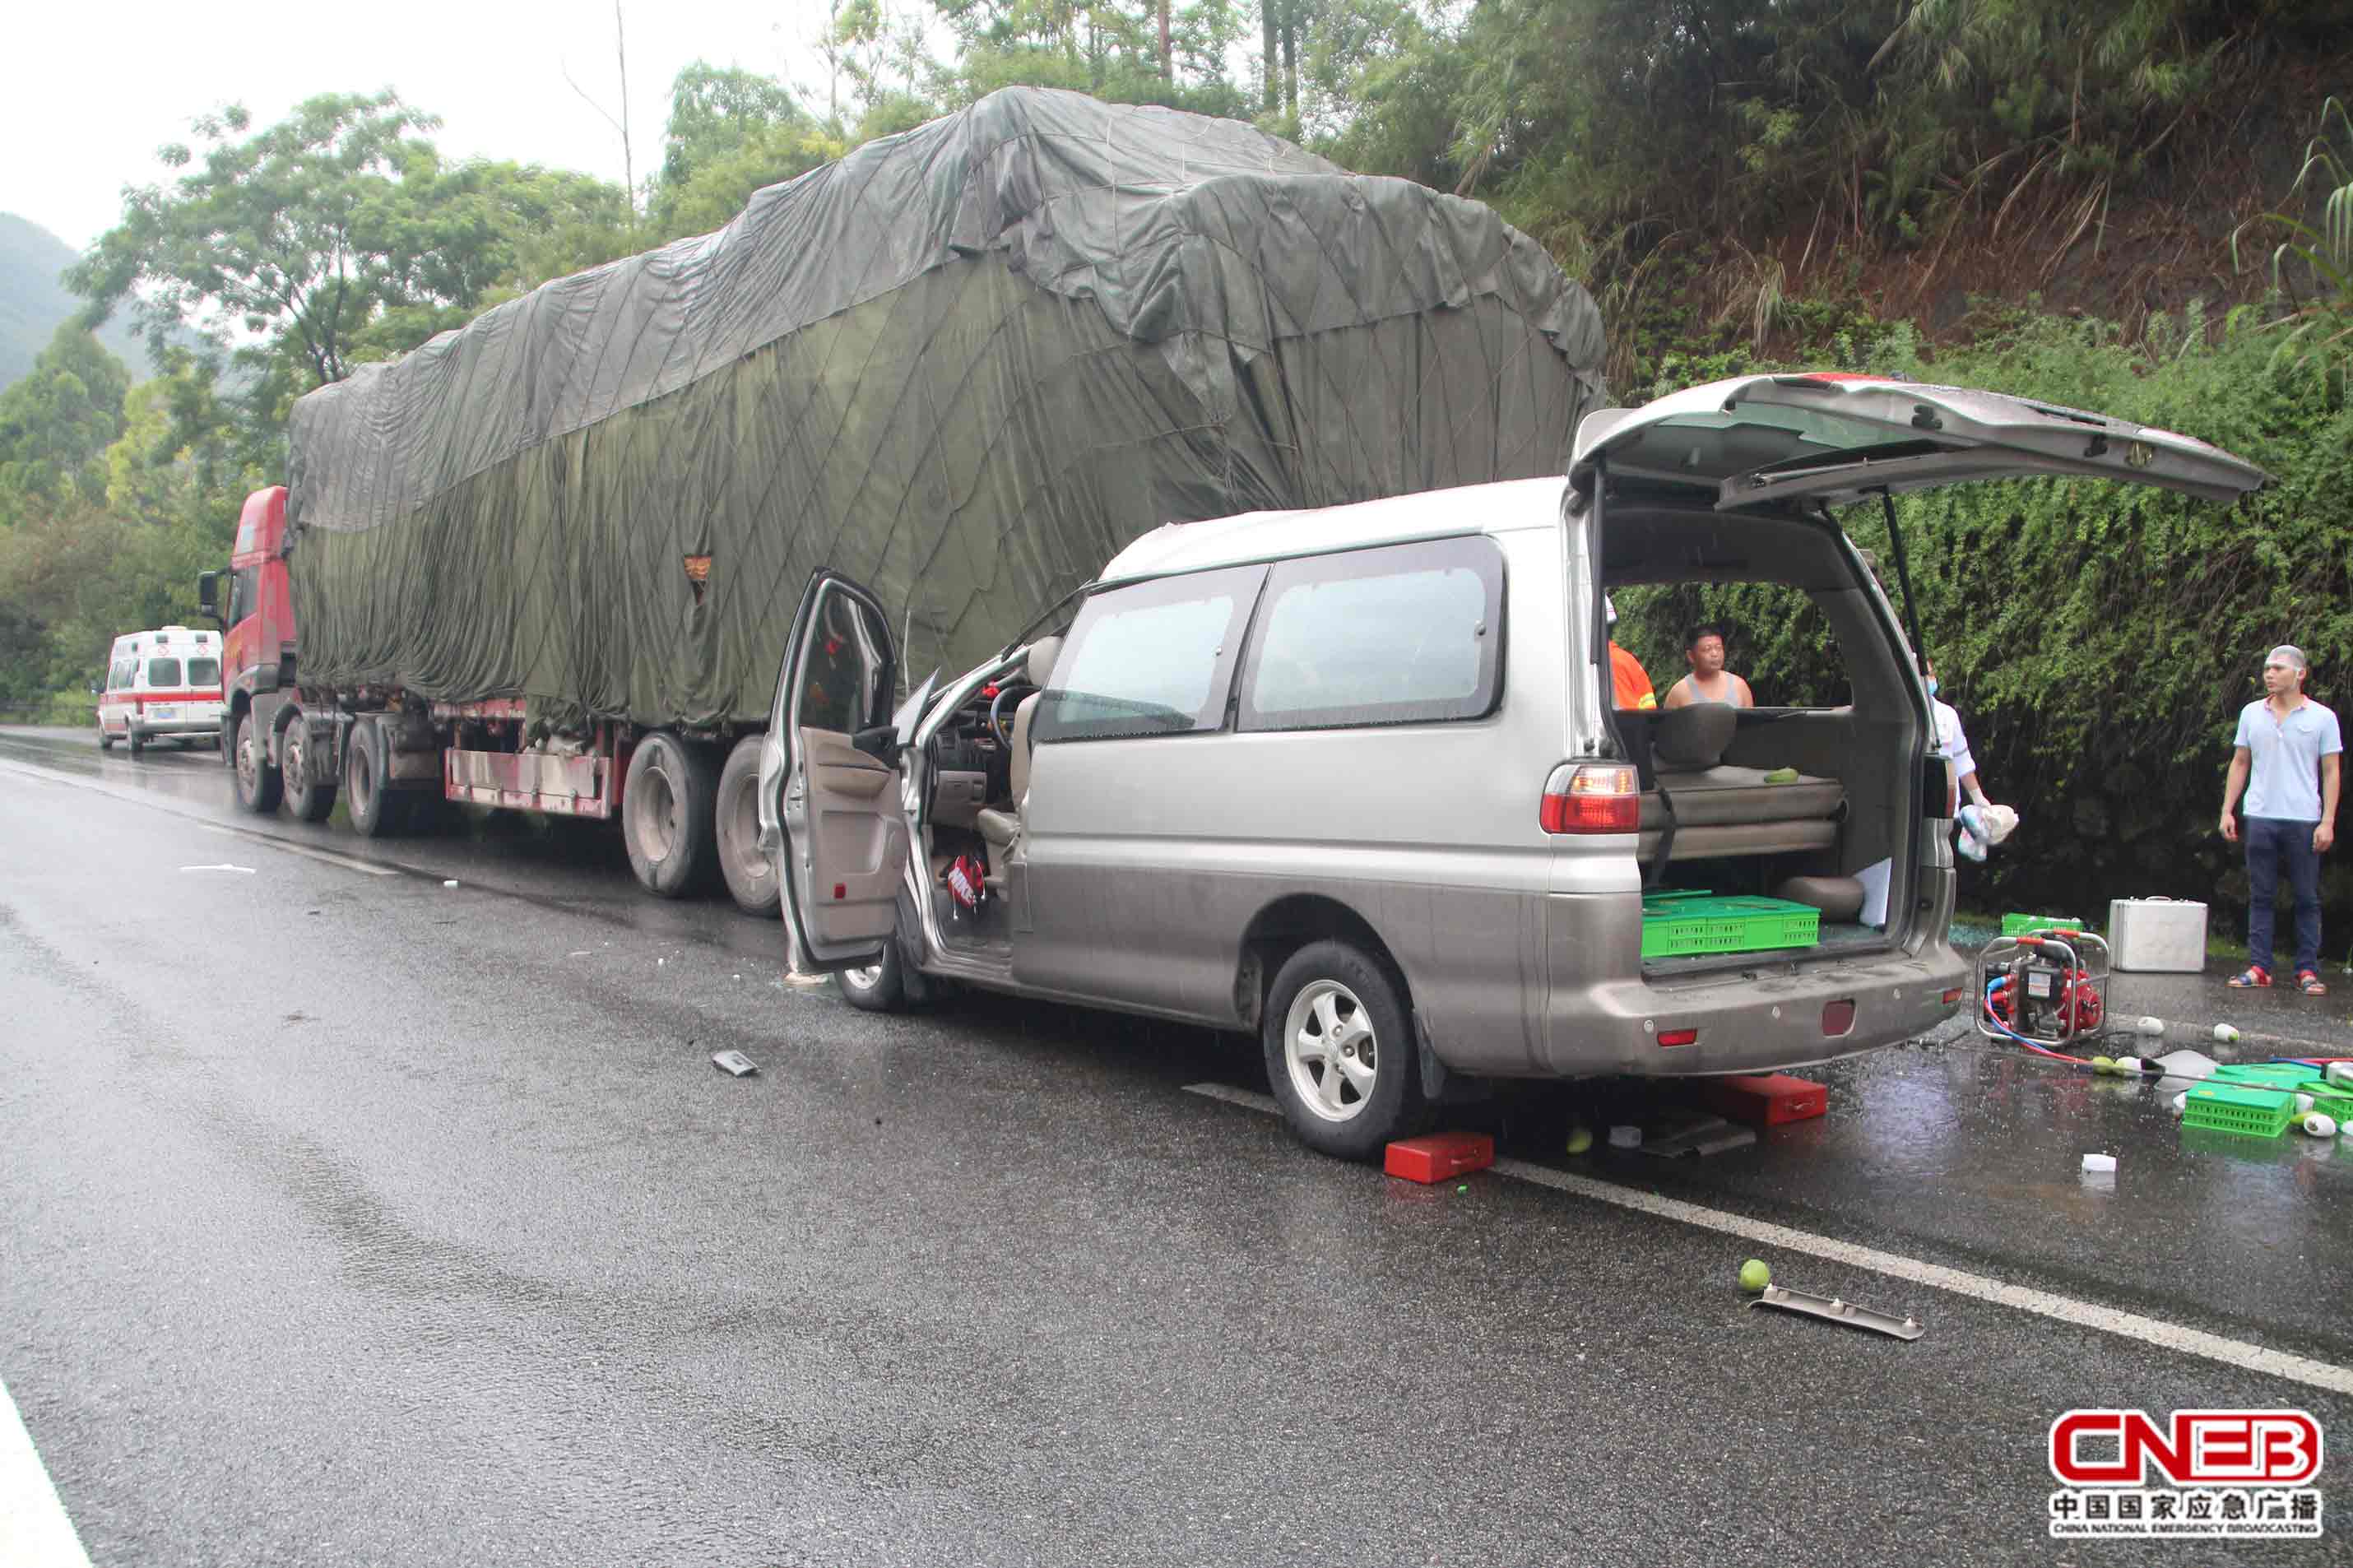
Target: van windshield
pixel 203 672
pixel 162 672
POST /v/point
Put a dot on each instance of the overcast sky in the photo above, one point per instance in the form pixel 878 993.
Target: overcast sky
pixel 91 88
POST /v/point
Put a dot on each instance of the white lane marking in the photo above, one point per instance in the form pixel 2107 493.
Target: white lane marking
pixel 133 797
pixel 224 866
pixel 2066 1310
pixel 34 1530
pixel 328 856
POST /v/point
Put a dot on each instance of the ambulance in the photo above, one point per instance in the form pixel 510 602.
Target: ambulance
pixel 161 684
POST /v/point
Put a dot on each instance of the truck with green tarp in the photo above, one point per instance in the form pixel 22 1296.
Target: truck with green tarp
pixel 548 561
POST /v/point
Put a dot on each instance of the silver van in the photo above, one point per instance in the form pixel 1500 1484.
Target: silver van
pixel 1354 779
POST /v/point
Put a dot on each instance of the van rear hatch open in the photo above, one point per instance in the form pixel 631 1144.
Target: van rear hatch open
pixel 1792 444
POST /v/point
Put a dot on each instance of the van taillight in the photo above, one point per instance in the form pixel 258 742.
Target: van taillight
pixel 1591 798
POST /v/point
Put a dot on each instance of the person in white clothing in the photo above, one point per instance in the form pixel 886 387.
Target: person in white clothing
pixel 1961 768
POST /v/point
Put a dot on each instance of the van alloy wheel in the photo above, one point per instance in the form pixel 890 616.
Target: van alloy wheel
pixel 1342 1059
pixel 1331 1049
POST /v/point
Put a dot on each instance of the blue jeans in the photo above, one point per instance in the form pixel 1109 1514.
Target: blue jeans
pixel 2270 842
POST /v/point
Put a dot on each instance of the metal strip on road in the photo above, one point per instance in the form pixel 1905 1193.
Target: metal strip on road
pixel 35 1531
pixel 328 856
pixel 2042 1303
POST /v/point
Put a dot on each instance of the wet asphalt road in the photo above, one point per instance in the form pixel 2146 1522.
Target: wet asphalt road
pixel 353 1218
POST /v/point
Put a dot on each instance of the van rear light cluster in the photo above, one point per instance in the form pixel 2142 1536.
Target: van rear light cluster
pixel 1591 798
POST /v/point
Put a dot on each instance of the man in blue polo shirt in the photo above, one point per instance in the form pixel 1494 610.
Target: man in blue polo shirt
pixel 2286 762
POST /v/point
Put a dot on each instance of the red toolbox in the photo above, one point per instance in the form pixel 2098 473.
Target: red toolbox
pixel 1440 1157
pixel 1766 1100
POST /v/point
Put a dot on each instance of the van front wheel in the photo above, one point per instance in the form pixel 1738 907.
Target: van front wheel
pixel 1340 1052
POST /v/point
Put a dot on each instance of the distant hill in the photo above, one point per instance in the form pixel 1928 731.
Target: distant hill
pixel 32 301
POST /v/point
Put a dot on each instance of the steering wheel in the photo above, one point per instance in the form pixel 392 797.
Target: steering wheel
pixel 997 725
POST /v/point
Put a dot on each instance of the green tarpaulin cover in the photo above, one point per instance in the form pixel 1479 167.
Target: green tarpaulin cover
pixel 964 366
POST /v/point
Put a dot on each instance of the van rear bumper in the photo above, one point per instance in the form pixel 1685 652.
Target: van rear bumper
pixel 1780 1013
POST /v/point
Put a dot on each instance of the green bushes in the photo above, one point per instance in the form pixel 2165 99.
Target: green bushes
pixel 2099 639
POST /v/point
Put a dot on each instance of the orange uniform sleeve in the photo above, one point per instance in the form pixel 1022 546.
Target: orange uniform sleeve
pixel 1629 681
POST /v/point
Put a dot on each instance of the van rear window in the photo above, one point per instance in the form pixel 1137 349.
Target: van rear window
pixel 1404 634
pixel 165 672
pixel 203 672
pixel 1156 658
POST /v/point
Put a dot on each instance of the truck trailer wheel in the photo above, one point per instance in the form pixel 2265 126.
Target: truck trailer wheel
pixel 372 807
pixel 306 797
pixel 257 781
pixel 750 878
pixel 666 815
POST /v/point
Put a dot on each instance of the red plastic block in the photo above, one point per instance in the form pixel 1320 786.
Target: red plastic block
pixel 1440 1157
pixel 1768 1100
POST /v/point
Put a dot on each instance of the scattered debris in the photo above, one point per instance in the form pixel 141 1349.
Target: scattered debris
pixel 735 1063
pixel 449 881
pixel 2226 1033
pixel 2099 1164
pixel 1755 1276
pixel 225 866
pixel 1834 1310
pixel 1697 1135
pixel 577 953
pixel 2321 1124
pixel 1624 1137
pixel 1580 1138
pixel 1439 1156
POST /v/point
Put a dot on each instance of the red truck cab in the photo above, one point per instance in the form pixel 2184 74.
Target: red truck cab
pixel 256 620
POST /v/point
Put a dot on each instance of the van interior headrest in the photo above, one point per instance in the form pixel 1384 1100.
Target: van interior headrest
pixel 1694 737
pixel 1042 655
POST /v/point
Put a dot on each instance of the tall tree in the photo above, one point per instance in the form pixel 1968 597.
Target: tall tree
pixel 57 423
pixel 335 235
pixel 731 131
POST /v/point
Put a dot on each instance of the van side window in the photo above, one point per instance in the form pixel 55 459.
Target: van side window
pixel 1406 634
pixel 122 675
pixel 162 672
pixel 1156 658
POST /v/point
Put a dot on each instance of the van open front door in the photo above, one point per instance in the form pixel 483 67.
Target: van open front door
pixel 830 808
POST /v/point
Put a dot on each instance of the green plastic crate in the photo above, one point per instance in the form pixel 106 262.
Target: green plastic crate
pixel 2271 1075
pixel 2019 925
pixel 2251 1112
pixel 1680 924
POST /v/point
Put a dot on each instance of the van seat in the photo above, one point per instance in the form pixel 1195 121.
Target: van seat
pixel 1721 809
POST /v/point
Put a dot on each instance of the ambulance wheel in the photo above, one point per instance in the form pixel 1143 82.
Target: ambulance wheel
pixel 1340 1053
pixel 306 797
pixel 666 815
pixel 105 742
pixel 257 782
pixel 131 738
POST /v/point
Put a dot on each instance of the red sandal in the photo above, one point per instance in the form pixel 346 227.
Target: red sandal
pixel 2254 977
pixel 2309 982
